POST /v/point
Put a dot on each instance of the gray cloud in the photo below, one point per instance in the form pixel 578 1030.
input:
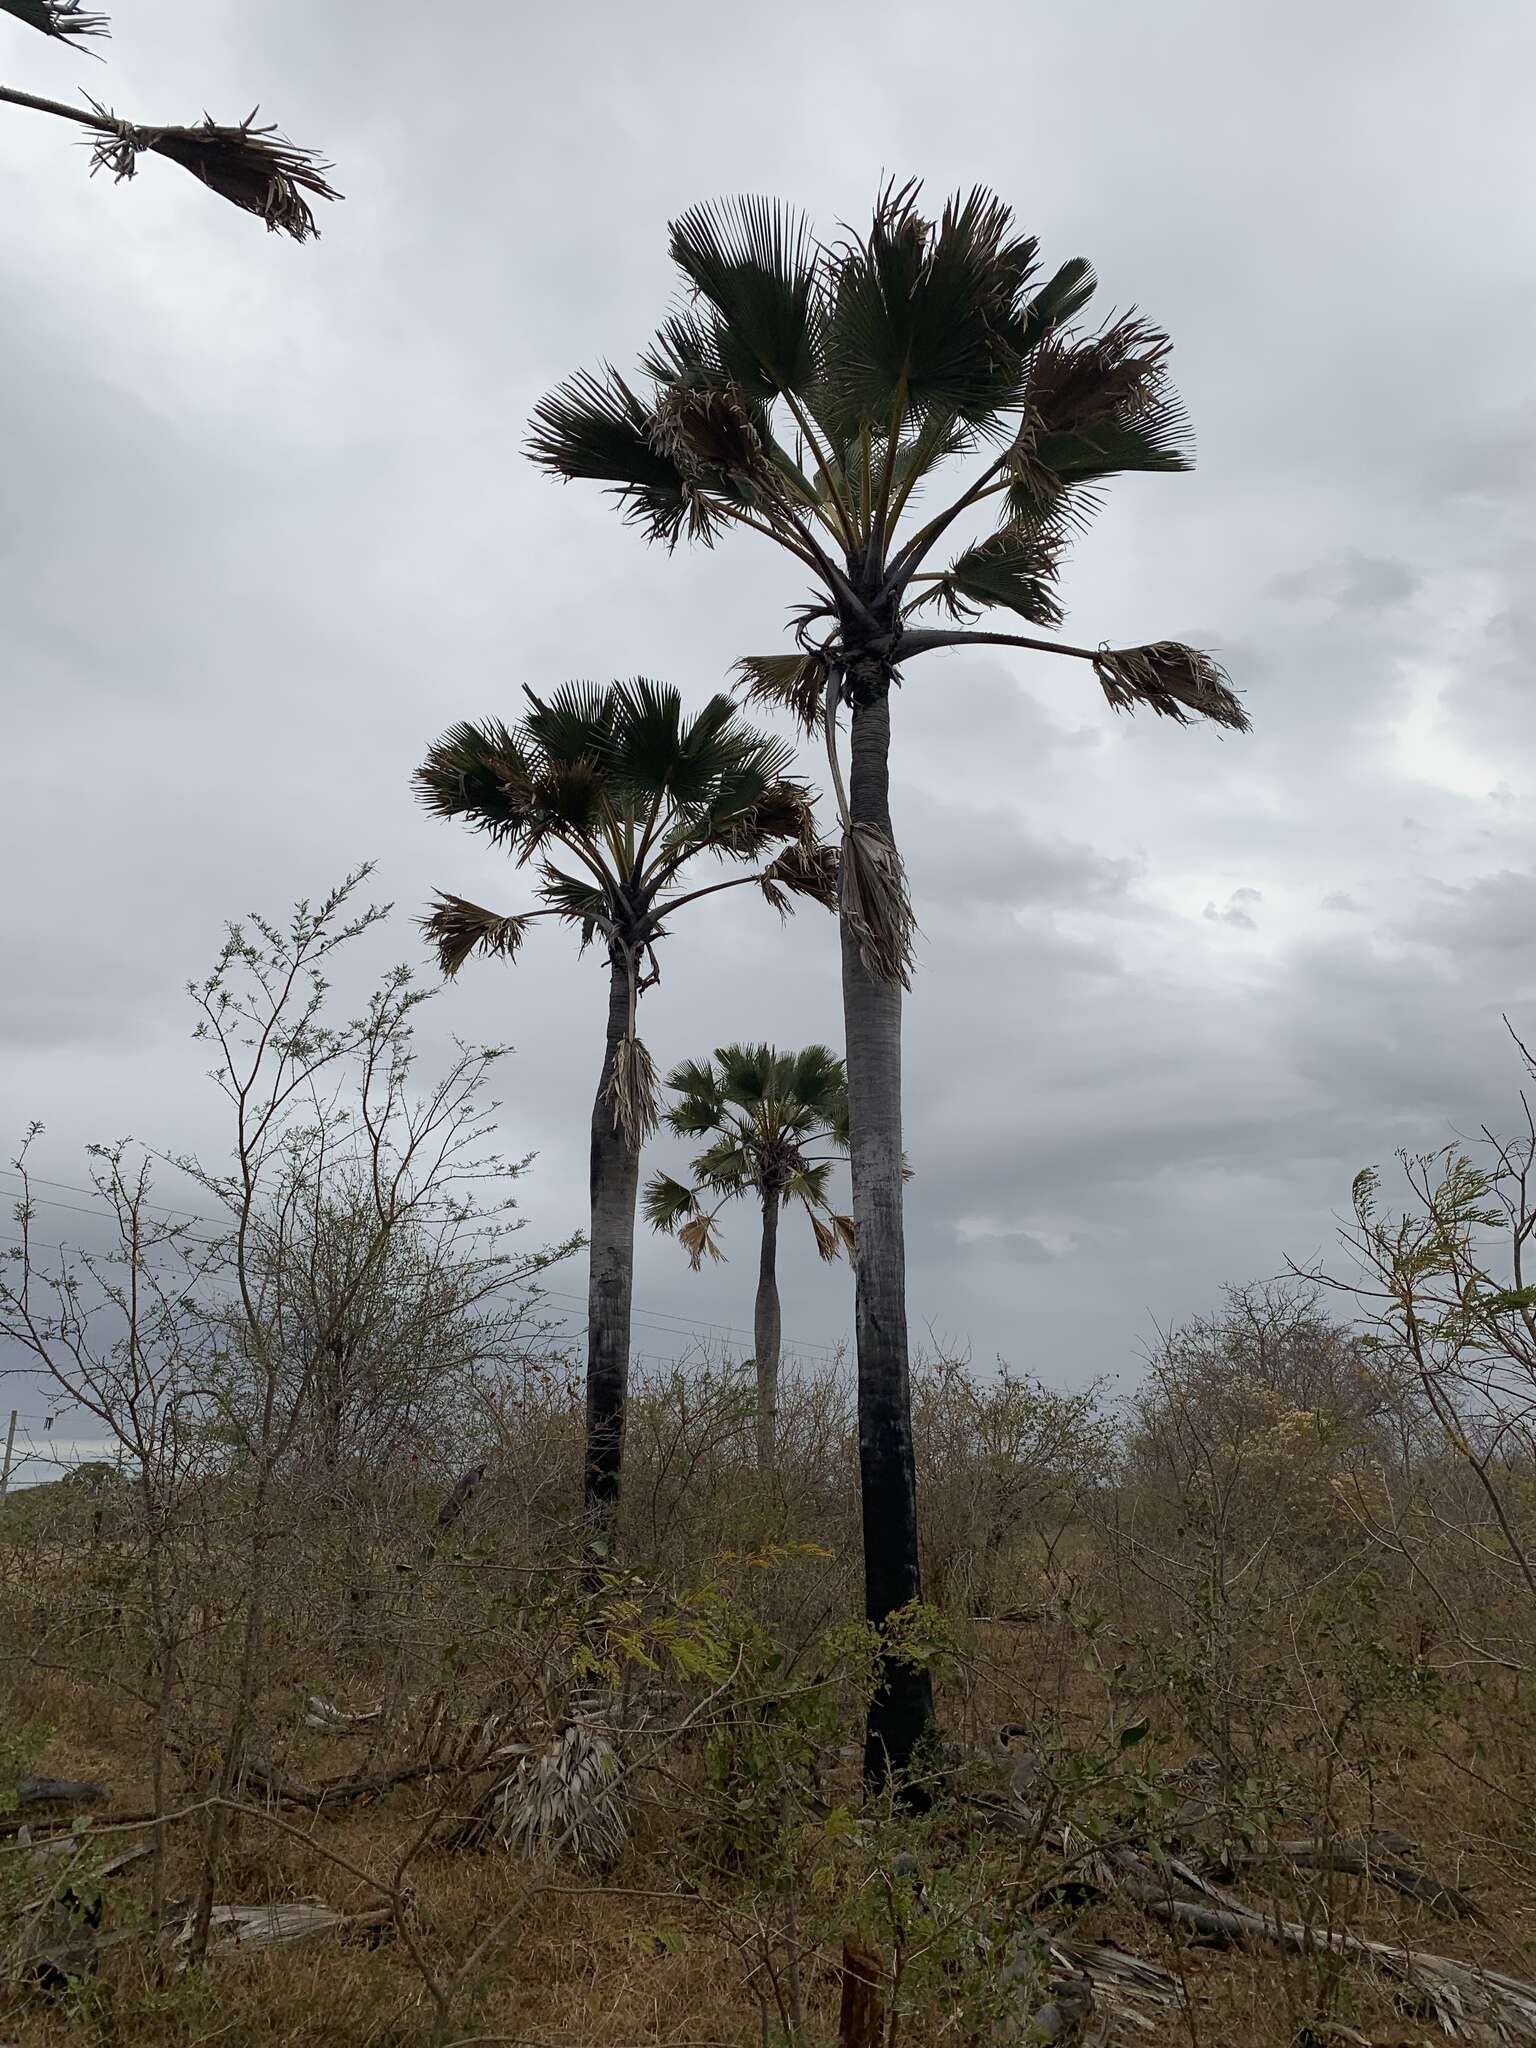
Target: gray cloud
pixel 265 529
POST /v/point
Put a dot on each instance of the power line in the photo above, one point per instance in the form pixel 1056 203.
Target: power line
pixel 660 1321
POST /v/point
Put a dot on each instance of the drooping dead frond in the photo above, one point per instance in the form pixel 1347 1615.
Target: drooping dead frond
pixel 806 868
pixel 825 1235
pixel 794 682
pixel 458 928
pixel 847 1231
pixel 703 427
pixel 64 20
pixel 566 1800
pixel 256 169
pixel 1173 680
pixel 875 903
pixel 697 1238
pixel 632 1090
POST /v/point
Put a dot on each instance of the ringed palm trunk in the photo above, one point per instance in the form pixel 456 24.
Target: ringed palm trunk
pixel 766 1333
pixel 901 1713
pixel 615 1180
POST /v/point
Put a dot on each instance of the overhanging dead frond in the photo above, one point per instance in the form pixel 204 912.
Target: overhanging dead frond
pixel 256 169
pixel 806 868
pixel 1175 681
pixel 794 682
pixel 698 1240
pixel 65 20
pixel 633 1092
pixel 875 903
pixel 457 928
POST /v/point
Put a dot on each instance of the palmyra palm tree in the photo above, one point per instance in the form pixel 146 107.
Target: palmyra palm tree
pixel 253 168
pixel 774 1121
pixel 808 391
pixel 635 795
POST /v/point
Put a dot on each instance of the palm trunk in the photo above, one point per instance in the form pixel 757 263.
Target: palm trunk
pixel 766 1333
pixel 901 1712
pixel 615 1180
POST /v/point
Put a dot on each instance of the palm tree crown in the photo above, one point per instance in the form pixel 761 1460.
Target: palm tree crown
pixel 632 792
pixel 810 390
pixel 766 1114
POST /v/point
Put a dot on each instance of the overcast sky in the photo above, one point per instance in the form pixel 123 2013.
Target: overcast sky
pixel 265 529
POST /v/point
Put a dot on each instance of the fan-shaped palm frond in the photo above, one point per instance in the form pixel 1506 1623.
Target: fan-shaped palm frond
pixel 880 359
pixel 667 1203
pixel 755 263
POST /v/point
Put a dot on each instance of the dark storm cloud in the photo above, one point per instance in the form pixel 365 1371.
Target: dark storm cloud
pixel 265 529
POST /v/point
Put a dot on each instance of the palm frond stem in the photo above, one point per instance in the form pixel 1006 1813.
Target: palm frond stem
pixel 256 169
pixel 829 483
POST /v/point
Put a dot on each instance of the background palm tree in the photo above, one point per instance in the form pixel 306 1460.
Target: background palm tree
pixel 809 391
pixel 634 794
pixel 256 169
pixel 774 1120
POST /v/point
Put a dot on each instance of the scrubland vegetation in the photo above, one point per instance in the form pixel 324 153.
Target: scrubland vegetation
pixel 361 1739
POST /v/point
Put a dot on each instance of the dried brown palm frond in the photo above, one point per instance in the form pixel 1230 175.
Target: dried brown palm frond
pixel 1172 680
pixel 458 928
pixel 565 1800
pixel 794 682
pixel 875 903
pixel 632 1089
pixel 64 20
pixel 697 1238
pixel 256 169
pixel 707 427
pixel 806 868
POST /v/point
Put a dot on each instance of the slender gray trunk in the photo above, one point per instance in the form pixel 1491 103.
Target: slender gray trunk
pixel 767 1333
pixel 901 1713
pixel 615 1180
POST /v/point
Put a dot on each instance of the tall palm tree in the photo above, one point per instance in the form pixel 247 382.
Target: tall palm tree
pixel 256 169
pixel 808 391
pixel 635 794
pixel 774 1121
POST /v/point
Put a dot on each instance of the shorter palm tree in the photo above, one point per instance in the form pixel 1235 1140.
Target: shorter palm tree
pixel 775 1122
pixel 633 794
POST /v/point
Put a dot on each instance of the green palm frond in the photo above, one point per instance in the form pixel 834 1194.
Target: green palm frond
pixel 1016 568
pixel 1103 403
pixel 729 1165
pixel 64 20
pixel 817 1079
pixel 747 1073
pixel 1057 302
pixel 594 426
pixel 571 725
pixel 755 262
pixel 457 928
pixel 482 773
pixel 667 1203
pixel 577 901
pixel 809 1184
pixel 918 313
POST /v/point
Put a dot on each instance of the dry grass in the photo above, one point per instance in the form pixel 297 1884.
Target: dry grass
pixel 1176 1679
